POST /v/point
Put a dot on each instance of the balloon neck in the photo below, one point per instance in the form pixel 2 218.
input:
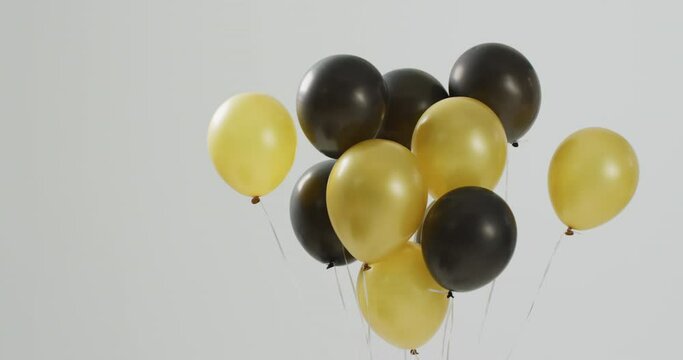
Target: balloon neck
pixel 255 200
pixel 330 265
pixel 366 267
pixel 450 295
pixel 414 352
pixel 569 231
pixel 515 144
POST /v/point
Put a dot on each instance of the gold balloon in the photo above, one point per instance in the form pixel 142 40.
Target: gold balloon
pixel 375 198
pixel 397 298
pixel 592 177
pixel 459 142
pixel 252 142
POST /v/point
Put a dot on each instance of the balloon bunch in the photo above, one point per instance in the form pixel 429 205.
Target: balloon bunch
pixel 397 138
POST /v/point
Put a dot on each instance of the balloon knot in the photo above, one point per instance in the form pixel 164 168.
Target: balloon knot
pixel 366 267
pixel 255 200
pixel 414 352
pixel 515 144
pixel 450 295
pixel 330 265
pixel 569 231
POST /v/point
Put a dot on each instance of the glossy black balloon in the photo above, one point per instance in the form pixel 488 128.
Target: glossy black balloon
pixel 468 238
pixel 341 102
pixel 310 220
pixel 502 78
pixel 411 92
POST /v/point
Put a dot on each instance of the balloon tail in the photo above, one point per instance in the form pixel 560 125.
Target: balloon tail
pixel 272 227
pixel 486 310
pixel 538 292
pixel 341 295
pixel 415 354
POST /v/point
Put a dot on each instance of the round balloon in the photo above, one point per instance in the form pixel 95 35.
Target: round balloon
pixel 341 102
pixel 397 297
pixel 502 78
pixel 592 177
pixel 376 198
pixel 252 142
pixel 310 221
pixel 411 92
pixel 468 238
pixel 459 142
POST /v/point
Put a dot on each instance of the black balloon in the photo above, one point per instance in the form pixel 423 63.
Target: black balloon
pixel 311 223
pixel 341 101
pixel 468 238
pixel 502 78
pixel 411 92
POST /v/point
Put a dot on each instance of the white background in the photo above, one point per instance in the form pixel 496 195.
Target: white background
pixel 119 241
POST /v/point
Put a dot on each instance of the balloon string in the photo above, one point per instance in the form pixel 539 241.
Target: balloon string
pixel 288 268
pixel 450 332
pixel 355 296
pixel 445 329
pixel 369 337
pixel 486 310
pixel 506 195
pixel 272 228
pixel 533 302
pixel 448 329
pixel 341 295
pixel 507 176
pixel 367 305
pixel 348 272
pixel 545 275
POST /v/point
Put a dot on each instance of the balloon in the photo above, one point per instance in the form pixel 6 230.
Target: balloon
pixel 376 198
pixel 592 177
pixel 252 142
pixel 341 101
pixel 459 142
pixel 502 78
pixel 311 223
pixel 411 92
pixel 468 238
pixel 397 298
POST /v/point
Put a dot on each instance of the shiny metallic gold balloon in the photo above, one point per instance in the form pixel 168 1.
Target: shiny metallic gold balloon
pixel 252 142
pixel 376 198
pixel 459 142
pixel 592 177
pixel 398 299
